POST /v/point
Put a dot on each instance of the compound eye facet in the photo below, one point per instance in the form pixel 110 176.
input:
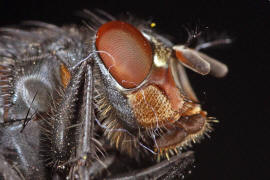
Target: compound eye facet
pixel 125 52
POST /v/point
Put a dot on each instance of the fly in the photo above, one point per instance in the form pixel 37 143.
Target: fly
pixel 101 98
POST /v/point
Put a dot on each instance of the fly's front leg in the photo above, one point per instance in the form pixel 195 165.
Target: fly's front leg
pixel 174 168
pixel 85 148
pixel 87 165
pixel 62 131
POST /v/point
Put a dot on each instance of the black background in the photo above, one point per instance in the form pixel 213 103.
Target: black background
pixel 238 146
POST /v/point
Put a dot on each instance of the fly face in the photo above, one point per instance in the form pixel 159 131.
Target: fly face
pixel 150 99
pixel 127 87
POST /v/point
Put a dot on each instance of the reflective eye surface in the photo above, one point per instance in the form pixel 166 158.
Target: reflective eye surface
pixel 125 52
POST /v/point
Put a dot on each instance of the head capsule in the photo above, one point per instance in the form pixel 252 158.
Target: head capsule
pixel 147 88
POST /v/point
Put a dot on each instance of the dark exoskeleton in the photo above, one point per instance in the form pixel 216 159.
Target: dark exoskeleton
pixel 68 113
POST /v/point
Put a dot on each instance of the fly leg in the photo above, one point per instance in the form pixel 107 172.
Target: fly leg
pixel 93 171
pixel 85 148
pixel 86 163
pixel 62 124
pixel 175 167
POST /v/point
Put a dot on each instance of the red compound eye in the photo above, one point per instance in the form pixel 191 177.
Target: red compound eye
pixel 125 52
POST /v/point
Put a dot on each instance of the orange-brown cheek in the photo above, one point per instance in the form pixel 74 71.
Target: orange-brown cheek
pixel 65 75
pixel 159 103
pixel 152 108
pixel 163 78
